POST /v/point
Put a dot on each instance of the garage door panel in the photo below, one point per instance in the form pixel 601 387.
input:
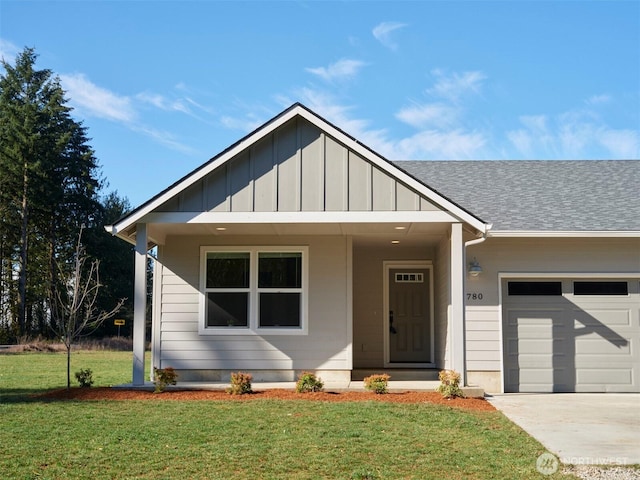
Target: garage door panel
pixel 564 343
pixel 537 347
pixel 604 376
pixel 610 317
pixel 594 344
pixel 526 315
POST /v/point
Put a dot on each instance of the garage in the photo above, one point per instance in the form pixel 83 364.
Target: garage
pixel 571 334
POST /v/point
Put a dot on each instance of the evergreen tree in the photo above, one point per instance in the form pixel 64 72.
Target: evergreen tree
pixel 49 183
pixel 116 262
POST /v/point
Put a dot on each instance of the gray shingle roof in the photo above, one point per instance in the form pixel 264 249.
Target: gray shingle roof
pixel 546 195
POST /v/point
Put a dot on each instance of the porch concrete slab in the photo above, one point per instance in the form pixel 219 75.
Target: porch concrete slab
pixel 579 428
pixel 394 386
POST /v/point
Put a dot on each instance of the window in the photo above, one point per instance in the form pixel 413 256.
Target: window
pixel 535 288
pixel 409 278
pixel 279 289
pixel 251 289
pixel 227 289
pixel 600 288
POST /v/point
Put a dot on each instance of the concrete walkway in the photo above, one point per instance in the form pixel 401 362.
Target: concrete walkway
pixel 579 428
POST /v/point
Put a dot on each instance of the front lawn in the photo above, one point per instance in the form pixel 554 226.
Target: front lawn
pixel 257 439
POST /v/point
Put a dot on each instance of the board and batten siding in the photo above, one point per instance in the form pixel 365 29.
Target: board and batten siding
pixel 553 256
pixel 297 168
pixel 326 347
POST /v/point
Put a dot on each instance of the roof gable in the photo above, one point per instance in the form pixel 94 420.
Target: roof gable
pixel 297 162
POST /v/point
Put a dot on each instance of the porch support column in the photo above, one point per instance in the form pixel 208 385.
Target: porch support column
pixel 457 300
pixel 139 303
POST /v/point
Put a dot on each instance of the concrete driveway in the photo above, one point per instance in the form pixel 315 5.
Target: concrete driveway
pixel 579 428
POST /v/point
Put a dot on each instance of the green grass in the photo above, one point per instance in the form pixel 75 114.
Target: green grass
pixel 259 439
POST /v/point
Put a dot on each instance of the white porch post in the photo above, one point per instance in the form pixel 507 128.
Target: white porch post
pixel 457 300
pixel 139 303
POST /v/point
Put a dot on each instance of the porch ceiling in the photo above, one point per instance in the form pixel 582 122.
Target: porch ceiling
pixel 407 233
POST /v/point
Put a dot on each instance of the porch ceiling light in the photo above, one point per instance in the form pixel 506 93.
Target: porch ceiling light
pixel 399 227
pixel 221 229
pixel 395 242
pixel 474 268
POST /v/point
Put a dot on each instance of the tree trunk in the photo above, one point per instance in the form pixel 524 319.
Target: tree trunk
pixel 22 280
pixel 68 366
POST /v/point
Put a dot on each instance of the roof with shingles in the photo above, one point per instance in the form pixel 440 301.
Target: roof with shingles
pixel 540 195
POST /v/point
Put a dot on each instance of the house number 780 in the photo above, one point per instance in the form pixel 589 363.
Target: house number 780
pixel 474 296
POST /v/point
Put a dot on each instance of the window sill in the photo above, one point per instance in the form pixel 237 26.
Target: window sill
pixel 262 332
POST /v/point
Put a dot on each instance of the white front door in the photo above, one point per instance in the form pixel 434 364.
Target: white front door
pixel 409 328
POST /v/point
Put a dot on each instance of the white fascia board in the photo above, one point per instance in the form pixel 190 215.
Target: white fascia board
pixel 298 217
pixel 564 234
pixel 394 171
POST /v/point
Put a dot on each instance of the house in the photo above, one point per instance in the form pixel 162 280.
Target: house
pixel 299 248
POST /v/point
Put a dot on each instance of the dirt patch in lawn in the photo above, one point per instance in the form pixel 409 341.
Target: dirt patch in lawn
pixel 106 393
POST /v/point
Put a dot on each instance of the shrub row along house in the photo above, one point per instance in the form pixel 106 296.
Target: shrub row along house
pixel 299 248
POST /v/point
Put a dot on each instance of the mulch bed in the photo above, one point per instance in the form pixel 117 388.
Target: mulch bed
pixel 106 393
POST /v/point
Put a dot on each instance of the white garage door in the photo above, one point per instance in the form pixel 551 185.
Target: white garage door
pixel 571 335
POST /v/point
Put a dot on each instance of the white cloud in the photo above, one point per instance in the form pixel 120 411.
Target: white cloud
pixel 96 101
pixel 622 144
pixel 437 115
pixel 382 32
pixel 164 138
pixel 245 124
pixel 598 99
pixel 453 87
pixel 8 51
pixel 342 69
pixel 163 103
pixel 434 144
pixel 92 100
pixel 572 135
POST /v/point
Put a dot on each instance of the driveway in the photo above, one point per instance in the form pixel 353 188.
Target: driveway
pixel 579 428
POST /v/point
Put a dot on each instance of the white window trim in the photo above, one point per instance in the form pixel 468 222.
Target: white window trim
pixel 253 327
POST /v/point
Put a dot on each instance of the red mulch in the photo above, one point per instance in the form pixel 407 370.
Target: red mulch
pixel 106 393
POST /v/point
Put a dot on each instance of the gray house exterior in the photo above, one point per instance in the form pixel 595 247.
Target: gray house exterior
pixel 298 248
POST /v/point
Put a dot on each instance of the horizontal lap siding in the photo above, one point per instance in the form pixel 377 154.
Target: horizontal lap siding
pixel 482 338
pixel 325 347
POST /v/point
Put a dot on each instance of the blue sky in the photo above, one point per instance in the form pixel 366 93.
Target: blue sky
pixel 162 86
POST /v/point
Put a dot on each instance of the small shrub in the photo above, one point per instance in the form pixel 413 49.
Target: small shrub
pixel 85 377
pixel 308 382
pixel 240 383
pixel 449 384
pixel 377 383
pixel 163 377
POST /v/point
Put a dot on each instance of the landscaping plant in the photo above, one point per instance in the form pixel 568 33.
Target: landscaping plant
pixel 377 383
pixel 84 377
pixel 240 383
pixel 450 384
pixel 163 377
pixel 309 382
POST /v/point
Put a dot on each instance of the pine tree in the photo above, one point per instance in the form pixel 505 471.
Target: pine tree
pixel 49 186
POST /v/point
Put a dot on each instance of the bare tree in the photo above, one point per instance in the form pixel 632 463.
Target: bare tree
pixel 74 305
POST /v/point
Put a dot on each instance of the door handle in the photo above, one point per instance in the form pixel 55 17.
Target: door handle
pixel 392 329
